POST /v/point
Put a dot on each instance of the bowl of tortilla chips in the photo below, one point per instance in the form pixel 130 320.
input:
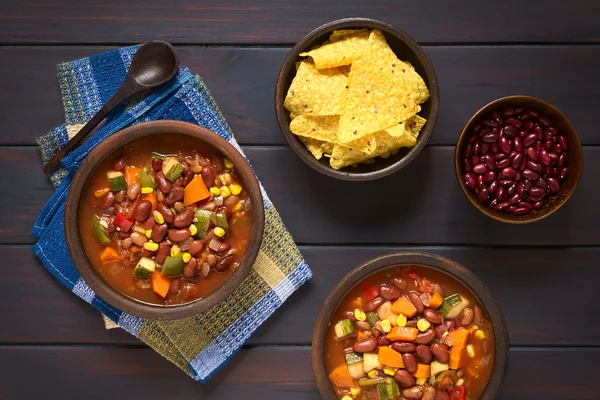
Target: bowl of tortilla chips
pixel 357 99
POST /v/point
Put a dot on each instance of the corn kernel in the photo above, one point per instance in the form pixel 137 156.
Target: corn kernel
pixel 355 391
pixel 158 217
pixel 386 326
pixel 471 351
pixel 150 246
pixel 460 382
pixel 474 327
pixel 360 315
pixel 197 168
pixel 225 179
pixel 346 398
pixel 147 190
pixel 421 381
pixel 148 233
pixel 219 231
pixel 423 324
pixel 225 192
pixel 480 334
pixel 193 230
pixel 215 191
pixel 238 214
pixel 238 207
pixel 373 373
pixel 235 189
pixel 228 163
pixel 401 320
pixel 388 370
pixel 187 257
pixel 175 250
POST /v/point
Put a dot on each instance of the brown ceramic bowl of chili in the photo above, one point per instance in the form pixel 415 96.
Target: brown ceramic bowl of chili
pixel 410 325
pixel 164 219
pixel 518 159
pixel 406 49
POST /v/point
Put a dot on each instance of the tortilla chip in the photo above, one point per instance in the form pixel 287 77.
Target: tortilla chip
pixel 415 124
pixel 325 128
pixel 344 51
pixel 382 92
pixel 315 92
pixel 318 148
pixel 386 143
pixel 342 33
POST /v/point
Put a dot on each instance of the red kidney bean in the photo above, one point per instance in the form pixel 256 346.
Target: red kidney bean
pixel 410 362
pixel 544 157
pixel 508 173
pixel 484 148
pixel 532 165
pixel 528 125
pixel 489 138
pixel 178 235
pixel 533 114
pixel 497 117
pixel 512 189
pixel 157 164
pixel 547 136
pixel 493 203
pixel 429 393
pixel 425 337
pixel 563 173
pixel 516 199
pixel 365 345
pixel 187 177
pixel 164 185
pixel 159 232
pixel 184 219
pixel 403 347
pixel 383 341
pixel 374 303
pixel 553 158
pixel 119 163
pixel 224 247
pixel 533 154
pixel 503 163
pixel 424 354
pixel 530 139
pixel 142 210
pixel 226 261
pixel 490 163
pixel 166 212
pixel 504 145
pixel 538 146
pixel 541 183
pixel 519 110
pixel 390 293
pixel 518 161
pixel 499 156
pixel 563 142
pixel 537 191
pixel 468 165
pixel 502 206
pixel 189 270
pixel 108 200
pixel 479 181
pixel 508 111
pixel 518 144
pixel 553 185
pixel 480 169
pixel 538 131
pixel 176 195
pixel 562 160
pixel 415 299
pixel 208 175
pixel 490 123
pixel 469 150
pixel 476 148
pixel 545 120
pixel 195 248
pixel 521 189
pixel 510 131
pixel 162 253
pixel 501 194
pixel 404 378
pixel 489 177
pixel 432 316
pixel 440 351
pixel 513 154
pixel 475 160
pixel 526 205
pixel 505 182
pixel 537 204
pixel 494 148
pixel 415 392
pixel 399 283
pixel 514 122
pixel 548 145
pixel 529 174
pixel 520 211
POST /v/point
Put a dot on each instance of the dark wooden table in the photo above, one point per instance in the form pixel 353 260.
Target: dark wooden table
pixel 545 276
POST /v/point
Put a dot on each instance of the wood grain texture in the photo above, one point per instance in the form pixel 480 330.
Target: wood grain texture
pixel 264 21
pixel 421 204
pixel 243 83
pixel 35 308
pixel 278 372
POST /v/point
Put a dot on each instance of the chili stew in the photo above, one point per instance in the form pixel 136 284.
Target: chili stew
pixel 167 220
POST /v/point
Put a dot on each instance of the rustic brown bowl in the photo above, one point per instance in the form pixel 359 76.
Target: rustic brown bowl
pixel 407 49
pixel 575 162
pixel 87 270
pixel 422 260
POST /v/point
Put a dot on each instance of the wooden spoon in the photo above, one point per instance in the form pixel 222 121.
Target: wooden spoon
pixel 153 64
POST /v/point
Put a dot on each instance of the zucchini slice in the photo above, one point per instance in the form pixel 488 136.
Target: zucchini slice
pixel 388 390
pixel 449 303
pixel 172 168
pixel 144 268
pixel 116 180
pixel 98 233
pixel 343 328
pixel 203 218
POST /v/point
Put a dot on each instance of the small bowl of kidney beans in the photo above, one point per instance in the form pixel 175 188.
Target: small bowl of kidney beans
pixel 518 159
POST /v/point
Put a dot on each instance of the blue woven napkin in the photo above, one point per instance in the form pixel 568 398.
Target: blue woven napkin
pixel 202 344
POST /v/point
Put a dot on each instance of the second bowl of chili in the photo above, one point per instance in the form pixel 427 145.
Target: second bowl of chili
pixel 164 219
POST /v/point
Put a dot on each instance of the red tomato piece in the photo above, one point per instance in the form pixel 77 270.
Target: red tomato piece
pixel 123 222
pixel 457 393
pixel 369 292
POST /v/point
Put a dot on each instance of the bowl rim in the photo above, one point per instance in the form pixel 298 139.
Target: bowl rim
pixel 72 233
pixel 465 131
pixel 421 260
pixel 300 149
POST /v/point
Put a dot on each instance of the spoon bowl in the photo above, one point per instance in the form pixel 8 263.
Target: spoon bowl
pixel 154 64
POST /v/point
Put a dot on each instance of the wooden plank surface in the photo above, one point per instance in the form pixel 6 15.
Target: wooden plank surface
pixel 421 204
pixel 243 81
pixel 277 372
pixel 264 21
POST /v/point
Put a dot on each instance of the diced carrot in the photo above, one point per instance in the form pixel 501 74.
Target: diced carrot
pixel 403 333
pixel 360 335
pixel 423 371
pixel 340 377
pixel 436 300
pixel 108 254
pixel 405 307
pixel 390 357
pixel 457 338
pixel 160 284
pixel 195 191
pixel 100 192
pixel 151 197
pixel 457 357
pixel 132 174
pixel 357 303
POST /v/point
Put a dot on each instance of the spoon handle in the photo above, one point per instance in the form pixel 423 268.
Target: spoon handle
pixel 127 89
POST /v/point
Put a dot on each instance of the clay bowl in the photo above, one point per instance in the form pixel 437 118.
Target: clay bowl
pixel 407 49
pixel 420 260
pixel 575 161
pixel 80 258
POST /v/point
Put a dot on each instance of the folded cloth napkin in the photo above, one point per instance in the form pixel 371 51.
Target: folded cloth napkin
pixel 202 344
